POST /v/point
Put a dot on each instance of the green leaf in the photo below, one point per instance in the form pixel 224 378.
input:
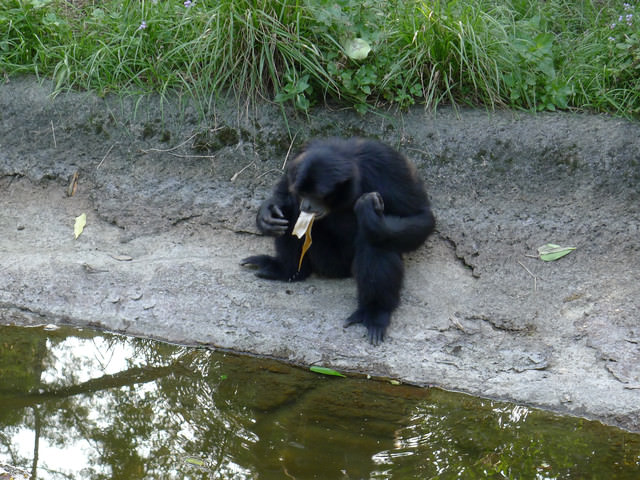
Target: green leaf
pixel 357 48
pixel 326 371
pixel 361 108
pixel 98 14
pixel 195 461
pixel 551 252
pixel 302 102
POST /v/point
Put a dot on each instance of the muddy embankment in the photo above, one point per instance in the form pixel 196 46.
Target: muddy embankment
pixel 171 200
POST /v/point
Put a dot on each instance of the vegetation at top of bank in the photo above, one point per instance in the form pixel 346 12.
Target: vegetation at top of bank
pixel 526 54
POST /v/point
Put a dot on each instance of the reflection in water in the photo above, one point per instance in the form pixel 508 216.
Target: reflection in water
pixel 77 404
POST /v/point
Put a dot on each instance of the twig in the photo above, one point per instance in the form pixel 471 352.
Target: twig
pixel 160 150
pixel 106 155
pixel 190 156
pixel 269 171
pixel 535 279
pixel 235 175
pixel 289 151
pixel 456 323
pixel 7 266
pixel 53 131
pixel 287 473
pixel 172 148
pixel 424 152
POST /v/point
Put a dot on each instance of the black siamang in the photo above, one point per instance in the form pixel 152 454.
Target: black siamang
pixel 370 206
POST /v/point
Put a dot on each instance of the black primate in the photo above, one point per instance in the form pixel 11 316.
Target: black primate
pixel 370 206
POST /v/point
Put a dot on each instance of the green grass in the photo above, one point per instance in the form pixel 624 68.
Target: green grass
pixel 557 54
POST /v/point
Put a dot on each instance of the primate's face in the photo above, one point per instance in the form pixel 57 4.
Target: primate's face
pixel 311 185
pixel 322 182
pixel 315 205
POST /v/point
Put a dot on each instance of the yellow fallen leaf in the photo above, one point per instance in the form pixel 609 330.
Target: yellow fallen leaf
pixel 73 184
pixel 81 221
pixel 303 227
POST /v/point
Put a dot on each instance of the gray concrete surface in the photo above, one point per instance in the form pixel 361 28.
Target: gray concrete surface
pixel 171 197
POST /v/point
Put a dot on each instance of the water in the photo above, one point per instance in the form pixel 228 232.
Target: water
pixel 86 405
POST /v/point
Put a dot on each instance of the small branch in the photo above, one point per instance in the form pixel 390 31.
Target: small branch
pixel 191 156
pixel 53 131
pixel 535 279
pixel 105 156
pixel 289 151
pixel 235 175
pixel 270 171
pixel 172 148
pixel 168 150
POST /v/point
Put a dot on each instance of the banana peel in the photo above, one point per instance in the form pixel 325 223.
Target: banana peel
pixel 301 229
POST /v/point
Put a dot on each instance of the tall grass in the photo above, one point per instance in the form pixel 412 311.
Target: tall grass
pixel 518 53
pixel 246 47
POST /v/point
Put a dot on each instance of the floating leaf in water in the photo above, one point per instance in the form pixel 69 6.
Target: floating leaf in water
pixel 199 463
pixel 551 252
pixel 357 48
pixel 195 461
pixel 326 371
pixel 81 221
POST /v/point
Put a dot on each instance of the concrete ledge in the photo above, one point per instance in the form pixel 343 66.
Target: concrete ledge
pixel 170 200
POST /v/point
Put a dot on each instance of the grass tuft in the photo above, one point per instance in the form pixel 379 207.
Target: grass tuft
pixel 525 54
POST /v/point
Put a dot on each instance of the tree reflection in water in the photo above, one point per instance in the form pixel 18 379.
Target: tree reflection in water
pixel 82 404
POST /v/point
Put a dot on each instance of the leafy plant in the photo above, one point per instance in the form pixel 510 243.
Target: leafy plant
pixel 368 53
pixel 533 80
pixel 624 49
pixel 28 29
pixel 297 90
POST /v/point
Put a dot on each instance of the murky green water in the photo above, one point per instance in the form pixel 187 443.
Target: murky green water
pixel 82 405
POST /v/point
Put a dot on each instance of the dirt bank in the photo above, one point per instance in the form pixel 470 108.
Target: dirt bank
pixel 171 200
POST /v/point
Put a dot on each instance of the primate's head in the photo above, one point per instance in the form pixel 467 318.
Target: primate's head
pixel 324 179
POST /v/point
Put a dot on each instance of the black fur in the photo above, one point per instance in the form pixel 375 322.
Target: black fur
pixel 371 207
